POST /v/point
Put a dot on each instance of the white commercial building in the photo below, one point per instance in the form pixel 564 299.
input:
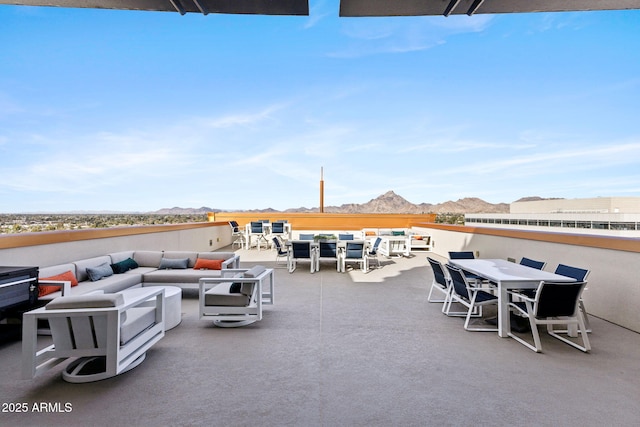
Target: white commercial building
pixel 611 216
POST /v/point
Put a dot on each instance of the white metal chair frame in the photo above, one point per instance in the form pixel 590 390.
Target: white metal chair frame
pixel 281 251
pixel 292 260
pixel 238 236
pixel 373 253
pixel 235 316
pixel 85 334
pixel 471 301
pixel 532 312
pixel 260 235
pixel 321 257
pixel 441 283
pixel 347 255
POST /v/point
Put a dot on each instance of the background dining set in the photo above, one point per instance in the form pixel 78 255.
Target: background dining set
pixel 343 250
pixel 519 290
pixel 259 233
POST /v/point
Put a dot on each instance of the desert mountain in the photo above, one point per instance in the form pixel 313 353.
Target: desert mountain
pixel 389 202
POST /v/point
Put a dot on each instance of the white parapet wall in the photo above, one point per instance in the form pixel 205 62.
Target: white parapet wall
pixel 201 239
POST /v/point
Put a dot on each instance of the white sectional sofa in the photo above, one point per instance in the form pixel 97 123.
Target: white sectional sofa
pixel 150 271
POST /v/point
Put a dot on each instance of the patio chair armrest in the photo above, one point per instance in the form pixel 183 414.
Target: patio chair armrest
pixel 233 262
pixel 524 297
pixel 141 296
pixel 65 285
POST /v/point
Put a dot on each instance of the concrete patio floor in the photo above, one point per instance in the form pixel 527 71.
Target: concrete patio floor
pixel 348 349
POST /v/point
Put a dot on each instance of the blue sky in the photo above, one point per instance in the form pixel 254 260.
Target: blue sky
pixel 137 111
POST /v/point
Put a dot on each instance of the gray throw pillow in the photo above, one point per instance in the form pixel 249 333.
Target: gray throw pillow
pixel 97 273
pixel 180 263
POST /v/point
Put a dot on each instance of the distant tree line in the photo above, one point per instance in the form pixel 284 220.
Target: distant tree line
pixel 25 223
pixel 450 218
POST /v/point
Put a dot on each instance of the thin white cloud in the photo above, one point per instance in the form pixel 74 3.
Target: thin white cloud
pixel 318 11
pixel 233 120
pixel 565 161
pixel 406 34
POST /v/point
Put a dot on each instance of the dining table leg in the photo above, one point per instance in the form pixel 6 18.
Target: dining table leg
pixel 504 321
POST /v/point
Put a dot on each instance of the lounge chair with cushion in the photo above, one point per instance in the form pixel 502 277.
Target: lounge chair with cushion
pixel 236 299
pixel 103 334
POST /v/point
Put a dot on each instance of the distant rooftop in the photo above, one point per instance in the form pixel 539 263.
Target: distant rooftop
pixel 618 205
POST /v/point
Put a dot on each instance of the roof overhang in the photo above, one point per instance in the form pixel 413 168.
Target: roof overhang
pixel 361 8
pixel 255 7
pixel 348 8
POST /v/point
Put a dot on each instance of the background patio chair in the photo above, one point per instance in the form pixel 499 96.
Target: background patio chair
pixel 280 251
pixel 327 251
pixel 354 252
pixel 554 304
pixel 461 255
pixel 472 297
pixel 345 236
pixel 301 250
pixel 104 334
pixel 257 231
pixel 441 283
pixel 237 235
pixel 539 265
pixel 277 229
pixel 467 255
pixel 580 274
pixel 373 253
pixel 306 237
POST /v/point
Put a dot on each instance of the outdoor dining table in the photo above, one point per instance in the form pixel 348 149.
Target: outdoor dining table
pixel 508 275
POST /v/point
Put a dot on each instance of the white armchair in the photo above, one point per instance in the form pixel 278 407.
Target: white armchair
pixel 236 298
pixel 104 334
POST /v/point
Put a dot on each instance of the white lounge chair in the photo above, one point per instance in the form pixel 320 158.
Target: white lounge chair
pixel 236 299
pixel 104 334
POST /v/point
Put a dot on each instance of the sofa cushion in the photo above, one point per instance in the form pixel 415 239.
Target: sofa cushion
pixel 100 271
pixel 220 296
pixel 57 269
pixel 83 264
pixel 86 301
pixel 67 276
pixel 181 263
pixel 191 256
pixel 216 255
pixel 113 283
pixel 236 287
pixel 138 320
pixel 178 276
pixel 208 264
pixel 247 288
pixel 255 271
pixel 147 258
pixel 124 266
pixel 120 256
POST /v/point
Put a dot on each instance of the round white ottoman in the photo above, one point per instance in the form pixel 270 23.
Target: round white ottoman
pixel 172 305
